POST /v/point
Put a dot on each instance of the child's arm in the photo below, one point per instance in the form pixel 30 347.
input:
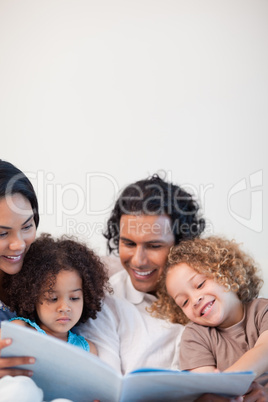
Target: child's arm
pixel 20 322
pixel 204 369
pixel 255 359
pixel 92 348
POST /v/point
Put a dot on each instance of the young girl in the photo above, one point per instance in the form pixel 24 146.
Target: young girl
pixel 215 285
pixel 61 284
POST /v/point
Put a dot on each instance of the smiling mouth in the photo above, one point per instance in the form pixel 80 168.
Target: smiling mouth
pixel 13 257
pixel 207 308
pixel 144 274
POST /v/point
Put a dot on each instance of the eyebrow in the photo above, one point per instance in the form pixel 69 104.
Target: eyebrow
pixel 146 242
pixel 55 291
pixel 24 223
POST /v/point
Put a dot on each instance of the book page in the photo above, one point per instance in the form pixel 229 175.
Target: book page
pixel 66 371
pixel 181 386
pixel 62 370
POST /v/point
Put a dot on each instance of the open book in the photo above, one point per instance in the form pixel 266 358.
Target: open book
pixel 66 371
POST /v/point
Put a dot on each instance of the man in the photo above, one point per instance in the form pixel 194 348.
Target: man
pixel 149 217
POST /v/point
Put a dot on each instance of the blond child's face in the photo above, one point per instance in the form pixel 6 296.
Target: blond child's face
pixel 60 310
pixel 202 300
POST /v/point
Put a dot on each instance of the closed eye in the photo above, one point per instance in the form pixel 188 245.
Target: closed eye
pixel 128 243
pixel 201 284
pixel 185 303
pixel 154 246
pixel 51 299
pixel 27 227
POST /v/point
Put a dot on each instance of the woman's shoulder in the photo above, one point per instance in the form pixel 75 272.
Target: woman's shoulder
pixel 5 313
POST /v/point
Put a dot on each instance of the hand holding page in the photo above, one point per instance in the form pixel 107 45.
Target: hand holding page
pixel 66 371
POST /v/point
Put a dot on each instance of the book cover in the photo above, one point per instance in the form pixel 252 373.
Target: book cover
pixel 66 371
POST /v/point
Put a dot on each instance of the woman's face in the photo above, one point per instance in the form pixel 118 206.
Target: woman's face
pixel 17 232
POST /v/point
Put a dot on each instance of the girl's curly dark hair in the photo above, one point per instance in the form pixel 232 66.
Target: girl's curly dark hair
pixel 44 260
pixel 218 259
pixel 154 196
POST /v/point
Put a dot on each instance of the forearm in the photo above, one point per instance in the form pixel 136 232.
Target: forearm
pixel 255 360
pixel 204 369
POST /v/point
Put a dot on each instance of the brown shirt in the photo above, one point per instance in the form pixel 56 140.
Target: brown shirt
pixel 209 346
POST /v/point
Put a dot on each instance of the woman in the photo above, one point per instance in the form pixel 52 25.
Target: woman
pixel 19 220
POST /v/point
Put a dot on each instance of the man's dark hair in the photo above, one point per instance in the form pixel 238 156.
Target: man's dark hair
pixel 154 196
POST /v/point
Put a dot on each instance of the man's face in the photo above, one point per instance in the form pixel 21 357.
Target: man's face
pixel 144 244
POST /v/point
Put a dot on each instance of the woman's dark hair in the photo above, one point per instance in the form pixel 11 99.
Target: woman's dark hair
pixel 44 260
pixel 13 181
pixel 154 196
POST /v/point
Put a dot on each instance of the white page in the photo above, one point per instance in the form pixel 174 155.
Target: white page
pixel 66 371
pixel 62 370
pixel 182 386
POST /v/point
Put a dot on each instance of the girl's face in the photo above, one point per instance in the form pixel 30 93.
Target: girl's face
pixel 17 232
pixel 60 310
pixel 202 300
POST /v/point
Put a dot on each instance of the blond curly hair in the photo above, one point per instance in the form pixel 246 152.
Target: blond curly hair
pixel 217 258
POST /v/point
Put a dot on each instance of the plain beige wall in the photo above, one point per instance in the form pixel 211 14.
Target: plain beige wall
pixel 97 94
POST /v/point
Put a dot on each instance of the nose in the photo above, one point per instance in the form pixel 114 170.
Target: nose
pixel 198 301
pixel 139 257
pixel 17 243
pixel 64 307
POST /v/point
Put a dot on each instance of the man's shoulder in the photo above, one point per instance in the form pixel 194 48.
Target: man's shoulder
pixel 112 264
pixel 113 311
pixel 119 284
pixel 118 277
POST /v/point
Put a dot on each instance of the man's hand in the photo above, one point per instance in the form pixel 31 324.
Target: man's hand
pixel 256 393
pixel 217 398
